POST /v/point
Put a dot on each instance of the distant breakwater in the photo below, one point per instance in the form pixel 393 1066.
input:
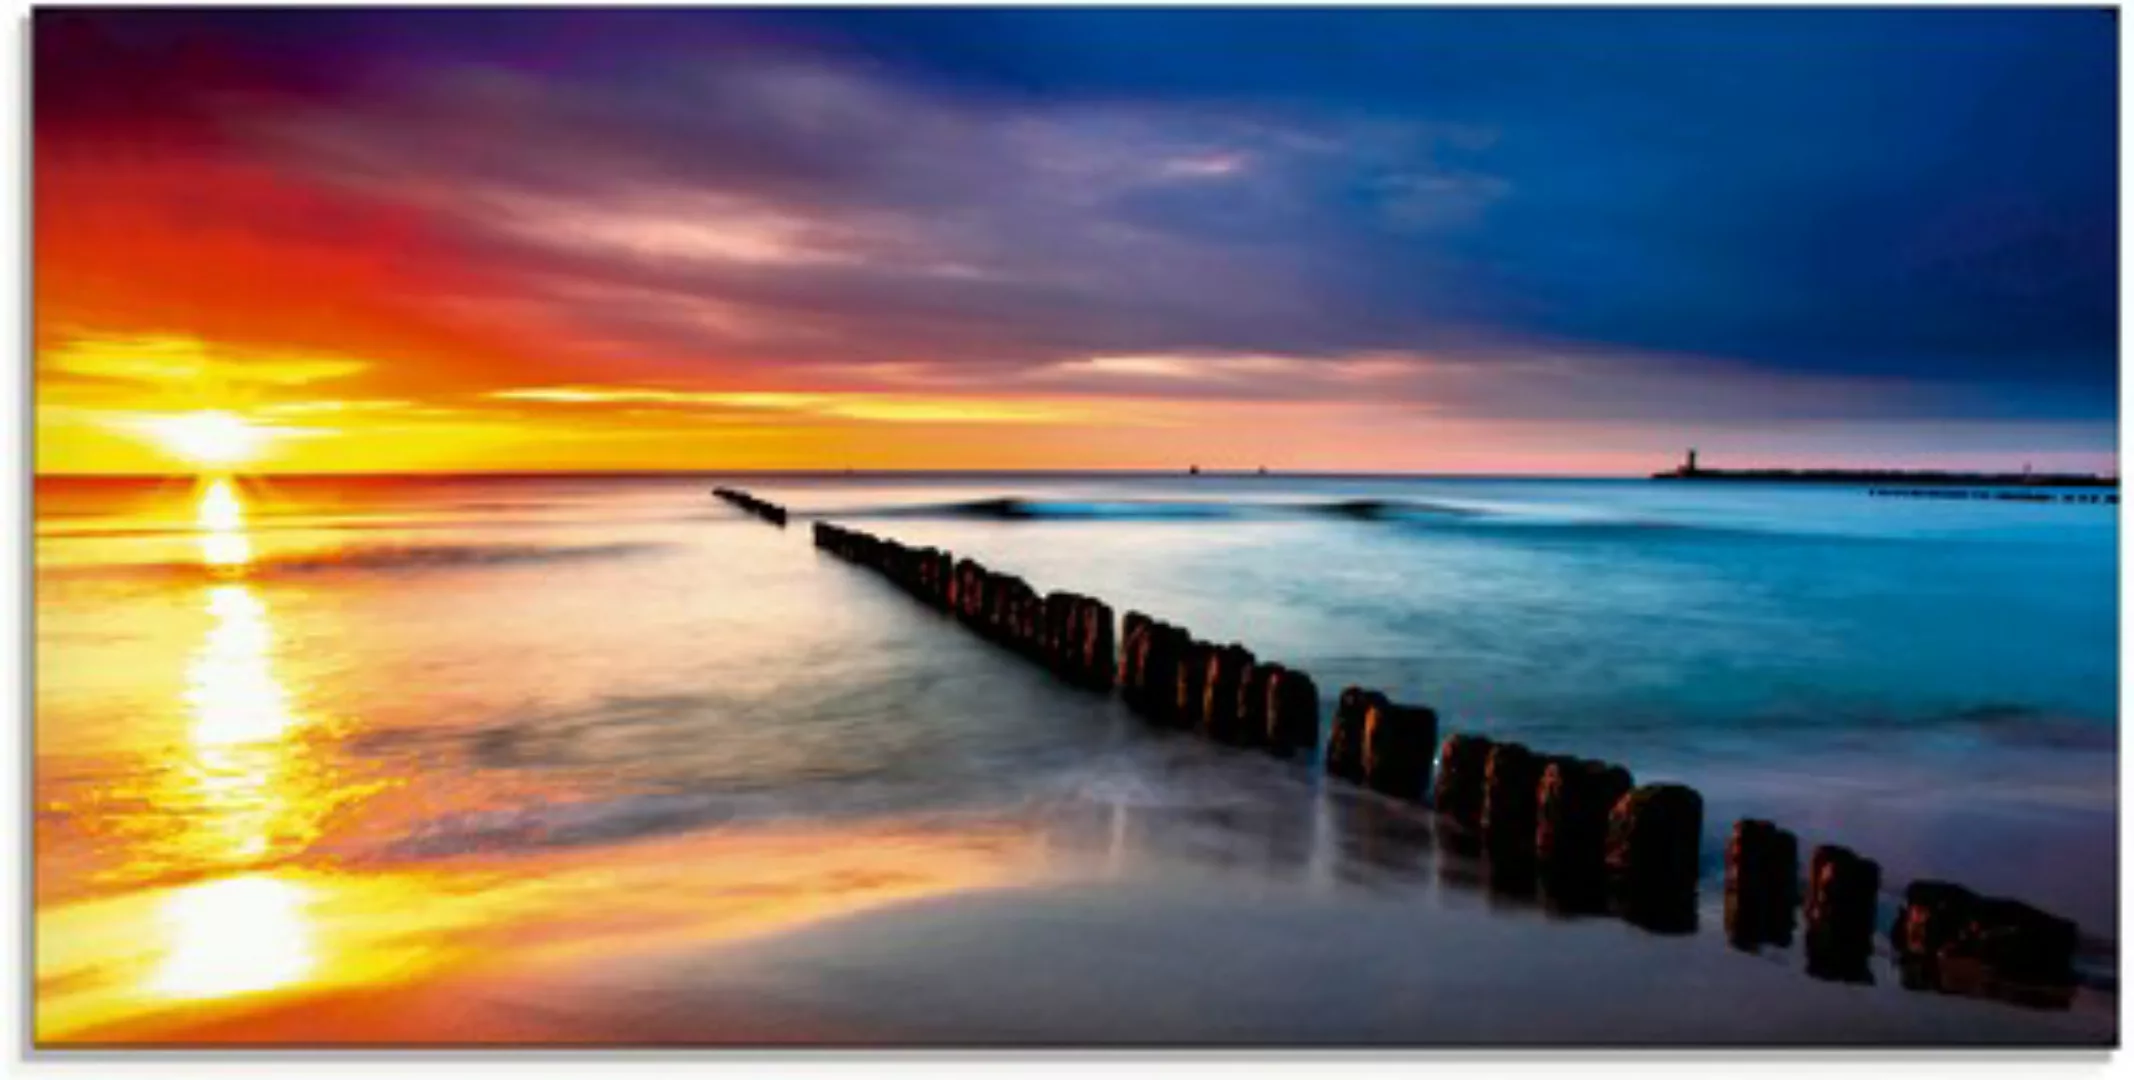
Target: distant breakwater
pixel 2000 495
pixel 1908 478
pixel 1581 833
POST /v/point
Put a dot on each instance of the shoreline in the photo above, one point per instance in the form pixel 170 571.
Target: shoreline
pixel 1242 923
pixel 1124 966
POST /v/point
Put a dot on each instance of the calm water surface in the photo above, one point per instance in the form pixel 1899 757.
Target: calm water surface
pixel 257 699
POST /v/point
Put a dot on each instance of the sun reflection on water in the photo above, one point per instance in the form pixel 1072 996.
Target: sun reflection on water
pixel 247 787
pixel 220 517
pixel 252 880
pixel 231 691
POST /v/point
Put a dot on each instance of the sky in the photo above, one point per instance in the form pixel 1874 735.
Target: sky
pixel 1554 241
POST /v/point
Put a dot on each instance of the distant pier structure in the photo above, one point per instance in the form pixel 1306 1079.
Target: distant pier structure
pixel 1685 471
pixel 1907 483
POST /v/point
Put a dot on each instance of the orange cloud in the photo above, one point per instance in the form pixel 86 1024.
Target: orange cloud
pixel 846 405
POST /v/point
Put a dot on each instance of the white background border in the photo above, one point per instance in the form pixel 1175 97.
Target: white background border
pixel 414 1065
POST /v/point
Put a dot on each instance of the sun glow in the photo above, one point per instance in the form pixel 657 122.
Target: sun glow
pixel 209 437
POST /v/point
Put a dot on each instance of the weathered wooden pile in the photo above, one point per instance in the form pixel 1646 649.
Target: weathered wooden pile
pixel 1070 634
pixel 762 508
pixel 1225 693
pixel 1581 830
pixel 1951 939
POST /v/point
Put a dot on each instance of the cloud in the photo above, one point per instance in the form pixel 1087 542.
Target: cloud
pixel 1775 216
pixel 832 217
pixel 1214 165
pixel 343 407
pixel 843 405
pixel 175 360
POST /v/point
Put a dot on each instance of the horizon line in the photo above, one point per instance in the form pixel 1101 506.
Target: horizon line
pixel 187 474
pixel 1219 474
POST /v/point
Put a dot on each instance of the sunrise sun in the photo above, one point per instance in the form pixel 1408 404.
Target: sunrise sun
pixel 208 437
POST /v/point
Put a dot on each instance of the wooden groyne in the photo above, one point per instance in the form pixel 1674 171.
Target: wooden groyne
pixel 1067 633
pixel 768 511
pixel 1582 833
pixel 2001 495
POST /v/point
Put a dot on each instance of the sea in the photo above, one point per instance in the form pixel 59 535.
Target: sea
pixel 254 695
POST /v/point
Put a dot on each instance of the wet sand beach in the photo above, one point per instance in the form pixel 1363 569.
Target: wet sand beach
pixel 1280 918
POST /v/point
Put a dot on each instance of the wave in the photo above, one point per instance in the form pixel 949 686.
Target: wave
pixel 1416 513
pixel 1643 530
pixel 1529 522
pixel 1011 508
pixel 1019 509
pixel 1394 510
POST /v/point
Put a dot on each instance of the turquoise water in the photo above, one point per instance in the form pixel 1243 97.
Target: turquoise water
pixel 494 664
pixel 1593 602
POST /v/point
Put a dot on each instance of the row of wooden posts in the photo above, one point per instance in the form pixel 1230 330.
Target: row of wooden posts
pixel 1583 830
pixel 762 508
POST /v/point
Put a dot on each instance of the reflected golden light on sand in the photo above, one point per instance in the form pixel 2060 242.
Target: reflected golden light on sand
pixel 209 947
pixel 260 957
pixel 234 936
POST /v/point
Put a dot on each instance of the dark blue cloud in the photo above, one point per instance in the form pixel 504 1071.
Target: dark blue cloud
pixel 1883 192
